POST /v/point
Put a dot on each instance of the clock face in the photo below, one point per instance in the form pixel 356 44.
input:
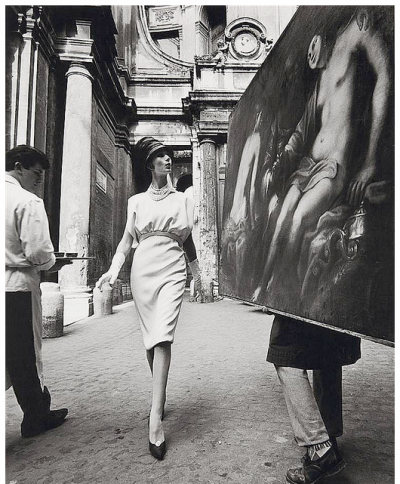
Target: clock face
pixel 246 43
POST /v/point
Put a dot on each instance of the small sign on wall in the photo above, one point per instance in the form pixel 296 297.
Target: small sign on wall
pixel 101 179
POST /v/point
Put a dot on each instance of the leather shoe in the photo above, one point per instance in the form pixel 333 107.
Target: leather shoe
pixel 312 471
pixel 334 443
pixel 158 451
pixel 32 425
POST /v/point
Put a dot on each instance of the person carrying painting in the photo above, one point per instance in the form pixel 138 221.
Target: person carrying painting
pixel 321 142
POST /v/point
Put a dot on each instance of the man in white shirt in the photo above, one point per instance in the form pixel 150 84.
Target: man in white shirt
pixel 29 250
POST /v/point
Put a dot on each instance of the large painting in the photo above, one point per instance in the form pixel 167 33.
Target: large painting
pixel 308 217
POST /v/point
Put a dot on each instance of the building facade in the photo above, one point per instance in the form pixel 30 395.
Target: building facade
pixel 84 84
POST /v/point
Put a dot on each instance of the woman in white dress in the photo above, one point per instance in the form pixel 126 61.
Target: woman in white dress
pixel 158 228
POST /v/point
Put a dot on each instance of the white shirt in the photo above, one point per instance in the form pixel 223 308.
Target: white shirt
pixel 28 245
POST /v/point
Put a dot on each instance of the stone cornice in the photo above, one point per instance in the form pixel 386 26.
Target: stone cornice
pixel 213 97
pixel 71 49
pixel 234 65
pixel 158 79
pixel 157 112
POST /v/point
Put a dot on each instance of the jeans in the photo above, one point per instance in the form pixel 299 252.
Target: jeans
pixel 315 413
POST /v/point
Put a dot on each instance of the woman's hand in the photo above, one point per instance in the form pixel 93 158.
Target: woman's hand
pixel 110 276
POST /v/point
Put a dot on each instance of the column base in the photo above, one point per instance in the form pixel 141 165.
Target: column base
pixel 78 303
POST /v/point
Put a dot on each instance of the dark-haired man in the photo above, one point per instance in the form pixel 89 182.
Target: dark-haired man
pixel 29 250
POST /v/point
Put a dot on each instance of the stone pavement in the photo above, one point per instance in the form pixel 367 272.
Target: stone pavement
pixel 226 421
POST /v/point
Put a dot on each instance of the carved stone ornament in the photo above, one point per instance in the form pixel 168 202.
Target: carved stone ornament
pixel 246 44
pixel 164 16
pixel 182 154
pixel 204 57
pixel 246 37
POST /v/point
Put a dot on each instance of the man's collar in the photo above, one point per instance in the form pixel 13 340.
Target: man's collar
pixel 12 179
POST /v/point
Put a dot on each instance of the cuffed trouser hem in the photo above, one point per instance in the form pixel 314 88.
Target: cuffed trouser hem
pixel 307 423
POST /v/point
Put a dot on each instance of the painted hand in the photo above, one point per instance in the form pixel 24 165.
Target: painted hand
pixel 358 185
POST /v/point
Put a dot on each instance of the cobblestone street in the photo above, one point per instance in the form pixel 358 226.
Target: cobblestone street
pixel 225 422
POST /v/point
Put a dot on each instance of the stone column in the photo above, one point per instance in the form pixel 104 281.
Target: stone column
pixel 208 217
pixel 14 42
pixel 75 192
pixel 27 82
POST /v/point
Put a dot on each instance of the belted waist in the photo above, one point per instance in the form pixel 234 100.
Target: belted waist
pixel 163 234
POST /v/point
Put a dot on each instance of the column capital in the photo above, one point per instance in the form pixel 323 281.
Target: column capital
pixel 78 68
pixel 207 140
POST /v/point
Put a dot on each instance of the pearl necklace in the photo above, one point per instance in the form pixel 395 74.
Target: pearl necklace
pixel 158 194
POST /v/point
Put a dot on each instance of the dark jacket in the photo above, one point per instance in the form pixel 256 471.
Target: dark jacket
pixel 308 346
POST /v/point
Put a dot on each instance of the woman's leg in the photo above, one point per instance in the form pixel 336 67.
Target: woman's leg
pixel 161 364
pixel 150 358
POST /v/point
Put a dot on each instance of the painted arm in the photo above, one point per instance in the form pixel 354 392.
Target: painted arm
pixel 376 52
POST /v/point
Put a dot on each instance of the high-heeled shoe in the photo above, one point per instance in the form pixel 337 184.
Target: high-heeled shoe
pixel 158 451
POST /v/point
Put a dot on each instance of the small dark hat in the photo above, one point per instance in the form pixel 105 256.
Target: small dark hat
pixel 147 146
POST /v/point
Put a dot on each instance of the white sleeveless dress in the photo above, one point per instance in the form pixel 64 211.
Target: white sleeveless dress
pixel 158 274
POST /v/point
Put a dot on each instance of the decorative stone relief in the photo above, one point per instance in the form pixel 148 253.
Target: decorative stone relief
pixel 222 53
pixel 269 43
pixel 246 38
pixel 182 154
pixel 204 57
pixel 163 17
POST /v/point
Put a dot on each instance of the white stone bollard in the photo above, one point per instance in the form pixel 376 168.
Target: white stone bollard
pixel 103 300
pixel 52 310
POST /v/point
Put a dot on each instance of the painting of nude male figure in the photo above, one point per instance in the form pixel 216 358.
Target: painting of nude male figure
pixel 308 216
